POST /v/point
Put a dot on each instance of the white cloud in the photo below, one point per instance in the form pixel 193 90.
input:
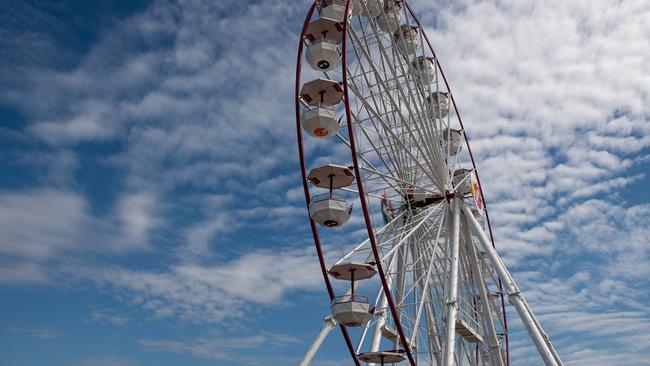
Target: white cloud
pixel 106 361
pixel 243 350
pixel 92 121
pixel 137 216
pixel 37 333
pixel 554 96
pixel 41 227
pixel 39 223
pixel 218 292
pixel 108 316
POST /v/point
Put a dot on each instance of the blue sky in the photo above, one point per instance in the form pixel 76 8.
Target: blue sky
pixel 150 200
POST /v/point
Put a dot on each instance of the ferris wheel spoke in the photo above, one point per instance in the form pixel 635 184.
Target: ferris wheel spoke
pixel 397 148
pixel 402 94
pixel 419 275
pixel 406 234
pixel 395 159
pixel 366 242
pixel 390 182
pixel 411 183
pixel 387 64
pixel 423 115
pixel 397 108
pixel 382 102
pixel 425 291
pixel 401 144
pixel 370 193
pixel 396 153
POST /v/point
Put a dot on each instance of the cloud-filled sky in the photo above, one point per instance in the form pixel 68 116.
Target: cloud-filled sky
pixel 151 211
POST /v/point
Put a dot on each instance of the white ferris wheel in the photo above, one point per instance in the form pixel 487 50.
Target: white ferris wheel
pixel 426 286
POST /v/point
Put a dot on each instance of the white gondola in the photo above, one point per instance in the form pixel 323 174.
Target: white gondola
pixel 424 69
pixel 463 180
pixel 352 271
pixel 334 9
pixel 351 310
pixel 389 20
pixel 452 140
pixel 319 122
pixel 331 176
pixel 374 7
pixel 323 55
pixel 330 210
pixel 406 38
pixel 439 102
pixel 321 92
pixel 324 28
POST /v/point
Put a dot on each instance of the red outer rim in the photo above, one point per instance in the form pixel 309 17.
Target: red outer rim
pixel 469 150
pixel 314 228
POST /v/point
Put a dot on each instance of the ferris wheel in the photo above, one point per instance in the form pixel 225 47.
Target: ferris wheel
pixel 378 128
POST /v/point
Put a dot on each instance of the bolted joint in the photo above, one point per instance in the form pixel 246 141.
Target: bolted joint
pixel 516 293
pixel 450 195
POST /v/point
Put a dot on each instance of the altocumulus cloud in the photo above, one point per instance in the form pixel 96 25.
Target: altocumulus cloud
pixel 194 99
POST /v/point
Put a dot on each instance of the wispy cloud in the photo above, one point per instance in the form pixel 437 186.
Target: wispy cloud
pixel 225 348
pixel 44 225
pixel 106 361
pixel 215 293
pixel 189 106
pixel 37 333
pixel 109 317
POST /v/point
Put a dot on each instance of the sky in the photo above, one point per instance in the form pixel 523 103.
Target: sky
pixel 151 210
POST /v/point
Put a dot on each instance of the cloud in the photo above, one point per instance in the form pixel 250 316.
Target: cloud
pixel 235 349
pixel 39 223
pixel 217 292
pixel 194 102
pixel 43 226
pixel 136 213
pixel 37 333
pixel 106 361
pixel 109 317
pixel 91 121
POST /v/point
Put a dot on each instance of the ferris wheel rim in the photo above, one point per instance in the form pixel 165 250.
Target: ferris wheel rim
pixel 314 228
pixel 366 211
